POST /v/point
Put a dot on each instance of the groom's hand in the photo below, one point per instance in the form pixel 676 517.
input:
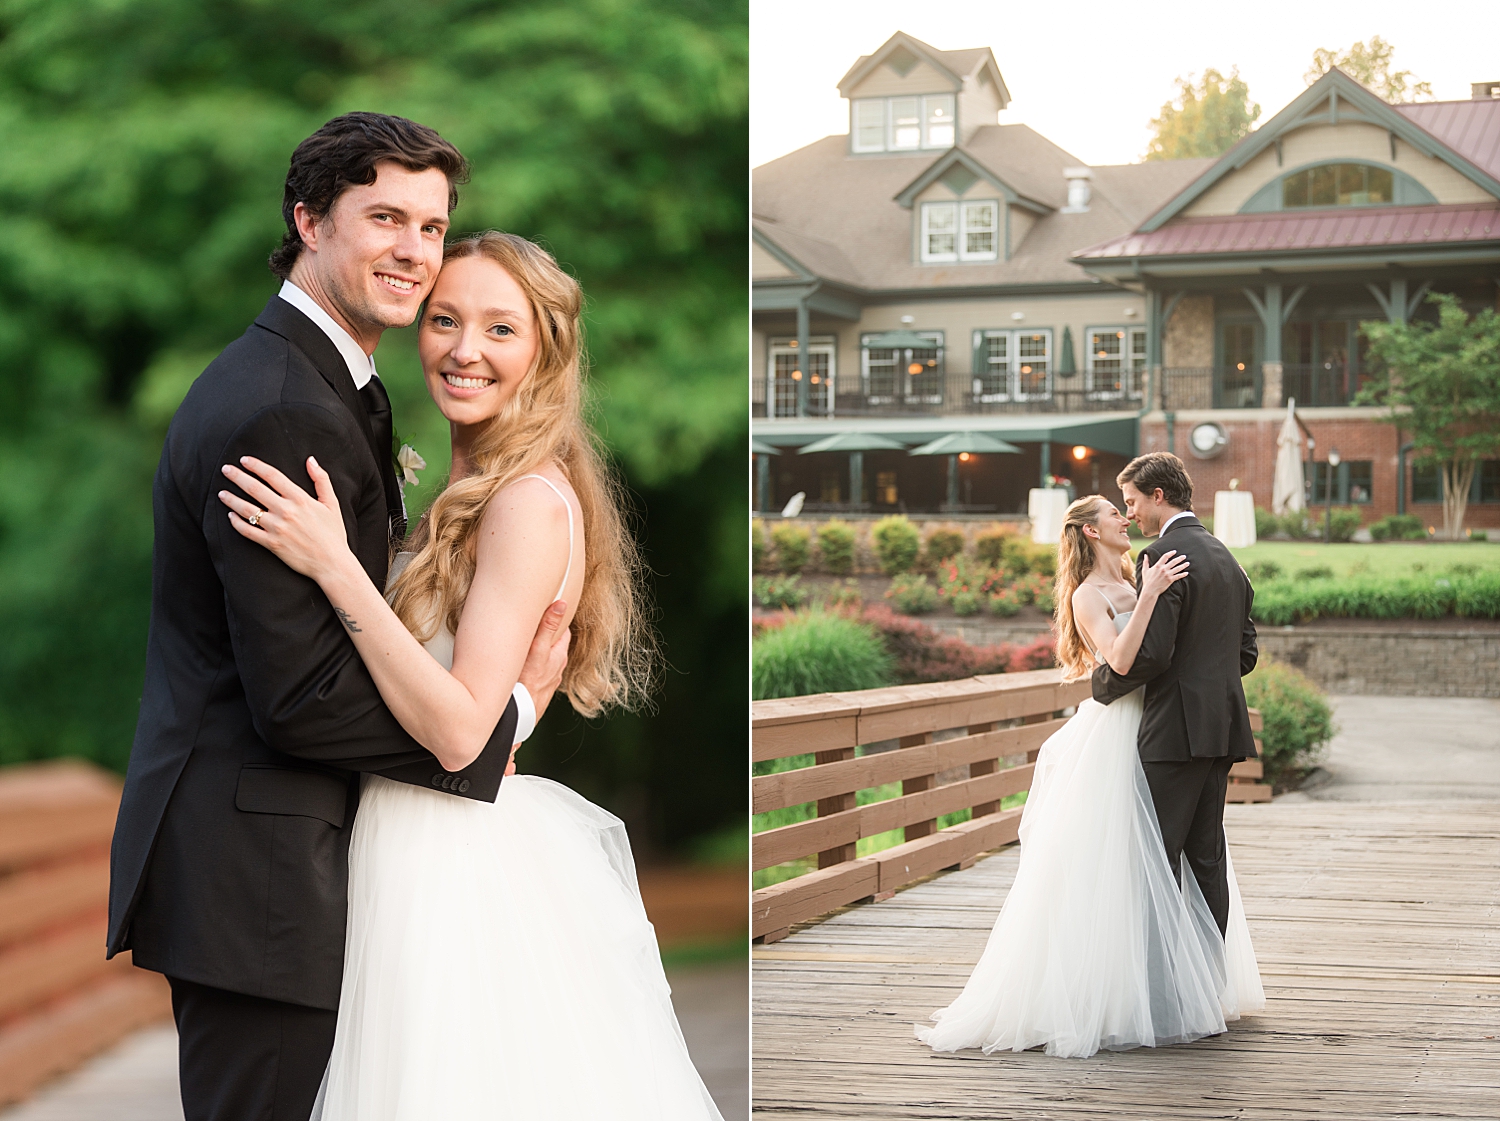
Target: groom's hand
pixel 547 658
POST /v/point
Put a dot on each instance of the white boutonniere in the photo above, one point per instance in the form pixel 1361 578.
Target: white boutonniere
pixel 410 463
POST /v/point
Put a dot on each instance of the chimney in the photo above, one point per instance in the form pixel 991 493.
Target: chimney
pixel 1484 91
pixel 1079 189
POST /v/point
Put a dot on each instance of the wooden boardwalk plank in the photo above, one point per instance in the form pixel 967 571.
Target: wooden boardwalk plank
pixel 1377 926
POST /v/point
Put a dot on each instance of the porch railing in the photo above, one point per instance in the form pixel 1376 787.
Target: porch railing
pixel 955 394
pixel 1210 387
pixel 953 746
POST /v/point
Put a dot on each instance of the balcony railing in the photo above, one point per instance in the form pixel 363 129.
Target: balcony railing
pixel 1210 387
pixel 1321 384
pixel 954 394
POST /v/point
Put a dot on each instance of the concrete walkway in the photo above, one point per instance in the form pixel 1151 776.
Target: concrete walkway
pixel 1402 749
pixel 137 1079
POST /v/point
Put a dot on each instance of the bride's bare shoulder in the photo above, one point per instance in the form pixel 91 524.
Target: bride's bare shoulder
pixel 531 502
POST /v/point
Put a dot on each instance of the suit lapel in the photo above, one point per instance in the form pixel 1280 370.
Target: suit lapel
pixel 283 319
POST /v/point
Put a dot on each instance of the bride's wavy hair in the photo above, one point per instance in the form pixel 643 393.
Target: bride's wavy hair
pixel 613 656
pixel 1075 560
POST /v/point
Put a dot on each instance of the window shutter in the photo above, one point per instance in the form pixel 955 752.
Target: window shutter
pixel 980 364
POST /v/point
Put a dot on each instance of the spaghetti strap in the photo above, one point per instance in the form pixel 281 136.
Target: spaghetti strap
pixel 557 491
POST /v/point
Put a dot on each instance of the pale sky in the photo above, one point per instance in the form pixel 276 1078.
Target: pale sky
pixel 1089 75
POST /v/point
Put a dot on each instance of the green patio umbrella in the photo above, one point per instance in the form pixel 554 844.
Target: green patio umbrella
pixel 956 443
pixel 1067 364
pixel 900 340
pixel 760 447
pixel 856 444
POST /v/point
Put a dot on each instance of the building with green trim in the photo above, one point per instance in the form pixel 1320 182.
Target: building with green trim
pixel 937 272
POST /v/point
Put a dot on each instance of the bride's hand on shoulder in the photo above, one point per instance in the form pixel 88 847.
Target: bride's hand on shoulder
pixel 1157 578
pixel 306 533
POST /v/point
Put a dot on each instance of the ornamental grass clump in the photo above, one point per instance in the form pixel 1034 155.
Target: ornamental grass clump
pixel 1298 719
pixel 836 547
pixel 819 652
pixel 793 546
pixel 897 544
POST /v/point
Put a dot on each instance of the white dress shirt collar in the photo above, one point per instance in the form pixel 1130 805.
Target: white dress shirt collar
pixel 361 365
pixel 1181 514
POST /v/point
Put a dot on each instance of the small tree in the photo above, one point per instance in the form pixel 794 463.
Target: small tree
pixel 1206 118
pixel 1369 64
pixel 1442 384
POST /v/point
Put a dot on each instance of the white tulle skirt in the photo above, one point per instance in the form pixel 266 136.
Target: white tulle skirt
pixel 500 964
pixel 1096 947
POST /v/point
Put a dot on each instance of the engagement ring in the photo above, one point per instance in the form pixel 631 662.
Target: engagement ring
pixel 254 519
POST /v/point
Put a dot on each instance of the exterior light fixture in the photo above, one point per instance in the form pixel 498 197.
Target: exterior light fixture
pixel 1080 452
pixel 963 457
pixel 914 368
pixel 908 319
pixel 1239 366
pixel 1018 315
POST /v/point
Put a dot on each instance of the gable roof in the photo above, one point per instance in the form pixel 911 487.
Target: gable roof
pixel 957 157
pixel 1330 90
pixel 836 216
pixel 958 65
pixel 1470 128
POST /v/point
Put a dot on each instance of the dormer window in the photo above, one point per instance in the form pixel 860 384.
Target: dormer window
pixel 903 124
pixel 960 231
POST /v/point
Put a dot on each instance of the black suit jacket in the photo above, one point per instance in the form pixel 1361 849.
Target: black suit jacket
pixel 1199 643
pixel 230 858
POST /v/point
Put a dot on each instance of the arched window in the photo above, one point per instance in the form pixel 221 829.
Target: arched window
pixel 1338 183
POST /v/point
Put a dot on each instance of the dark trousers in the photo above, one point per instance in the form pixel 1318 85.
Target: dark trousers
pixel 245 1058
pixel 1189 800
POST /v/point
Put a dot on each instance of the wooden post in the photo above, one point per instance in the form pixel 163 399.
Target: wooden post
pixel 838 803
pixel 983 767
pixel 916 786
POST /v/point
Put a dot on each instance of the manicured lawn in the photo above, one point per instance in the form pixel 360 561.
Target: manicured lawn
pixel 1380 559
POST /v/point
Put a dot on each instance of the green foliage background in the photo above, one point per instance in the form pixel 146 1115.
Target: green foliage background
pixel 146 142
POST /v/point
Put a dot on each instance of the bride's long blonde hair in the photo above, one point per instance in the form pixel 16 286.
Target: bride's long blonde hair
pixel 612 659
pixel 1075 560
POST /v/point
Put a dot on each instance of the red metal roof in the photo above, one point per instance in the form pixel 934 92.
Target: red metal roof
pixel 1470 128
pixel 1292 231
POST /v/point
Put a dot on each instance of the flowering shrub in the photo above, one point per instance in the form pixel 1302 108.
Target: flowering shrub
pixel 780 591
pixel 922 654
pixel 911 594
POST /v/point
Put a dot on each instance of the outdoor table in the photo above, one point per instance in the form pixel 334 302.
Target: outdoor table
pixel 1046 508
pixel 1234 518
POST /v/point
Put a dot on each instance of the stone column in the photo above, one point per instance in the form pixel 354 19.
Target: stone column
pixel 1270 385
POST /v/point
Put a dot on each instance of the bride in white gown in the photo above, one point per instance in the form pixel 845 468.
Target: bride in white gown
pixel 1096 946
pixel 499 963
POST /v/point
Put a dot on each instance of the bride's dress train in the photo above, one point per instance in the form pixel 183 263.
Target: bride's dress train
pixel 1096 947
pixel 499 964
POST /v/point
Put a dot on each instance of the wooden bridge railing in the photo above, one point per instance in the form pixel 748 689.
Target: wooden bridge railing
pixel 952 745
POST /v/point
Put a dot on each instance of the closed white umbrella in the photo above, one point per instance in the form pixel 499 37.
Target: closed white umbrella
pixel 1286 487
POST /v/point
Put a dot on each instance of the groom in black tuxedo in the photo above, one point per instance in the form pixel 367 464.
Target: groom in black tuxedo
pixel 1199 643
pixel 229 868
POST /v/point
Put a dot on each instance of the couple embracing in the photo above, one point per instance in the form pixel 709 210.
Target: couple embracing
pixel 1124 926
pixel 358 918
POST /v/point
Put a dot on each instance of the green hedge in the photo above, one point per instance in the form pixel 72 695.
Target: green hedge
pixel 819 652
pixel 836 547
pixel 897 544
pixel 1472 595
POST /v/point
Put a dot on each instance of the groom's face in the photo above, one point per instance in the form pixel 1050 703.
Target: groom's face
pixel 1143 510
pixel 377 253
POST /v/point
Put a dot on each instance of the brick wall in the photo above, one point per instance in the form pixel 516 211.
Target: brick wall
pixel 1251 457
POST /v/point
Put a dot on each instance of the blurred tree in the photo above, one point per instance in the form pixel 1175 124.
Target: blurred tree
pixel 146 144
pixel 1205 118
pixel 1369 64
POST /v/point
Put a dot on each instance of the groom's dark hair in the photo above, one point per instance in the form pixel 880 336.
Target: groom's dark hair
pixel 1160 470
pixel 343 153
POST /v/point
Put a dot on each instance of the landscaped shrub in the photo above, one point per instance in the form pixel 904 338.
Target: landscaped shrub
pixel 1267 524
pixel 757 544
pixel 846 594
pixel 912 594
pixel 988 546
pixel 1296 525
pixel 942 544
pixel 1314 572
pixel 966 603
pixel 896 544
pixel 1343 523
pixel 793 544
pixel 922 654
pixel 1298 720
pixel 780 591
pixel 1398 527
pixel 836 547
pixel 1005 603
pixel 1040 654
pixel 819 652
pixel 1263 572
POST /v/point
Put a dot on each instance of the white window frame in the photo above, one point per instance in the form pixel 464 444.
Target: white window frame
pixel 927 104
pixel 900 383
pixel 1132 332
pixel 961 209
pixel 816 344
pixel 1012 364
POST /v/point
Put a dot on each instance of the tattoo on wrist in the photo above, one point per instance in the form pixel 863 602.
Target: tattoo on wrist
pixel 349 624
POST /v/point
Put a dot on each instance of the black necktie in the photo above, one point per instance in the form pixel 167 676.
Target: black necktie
pixel 378 405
